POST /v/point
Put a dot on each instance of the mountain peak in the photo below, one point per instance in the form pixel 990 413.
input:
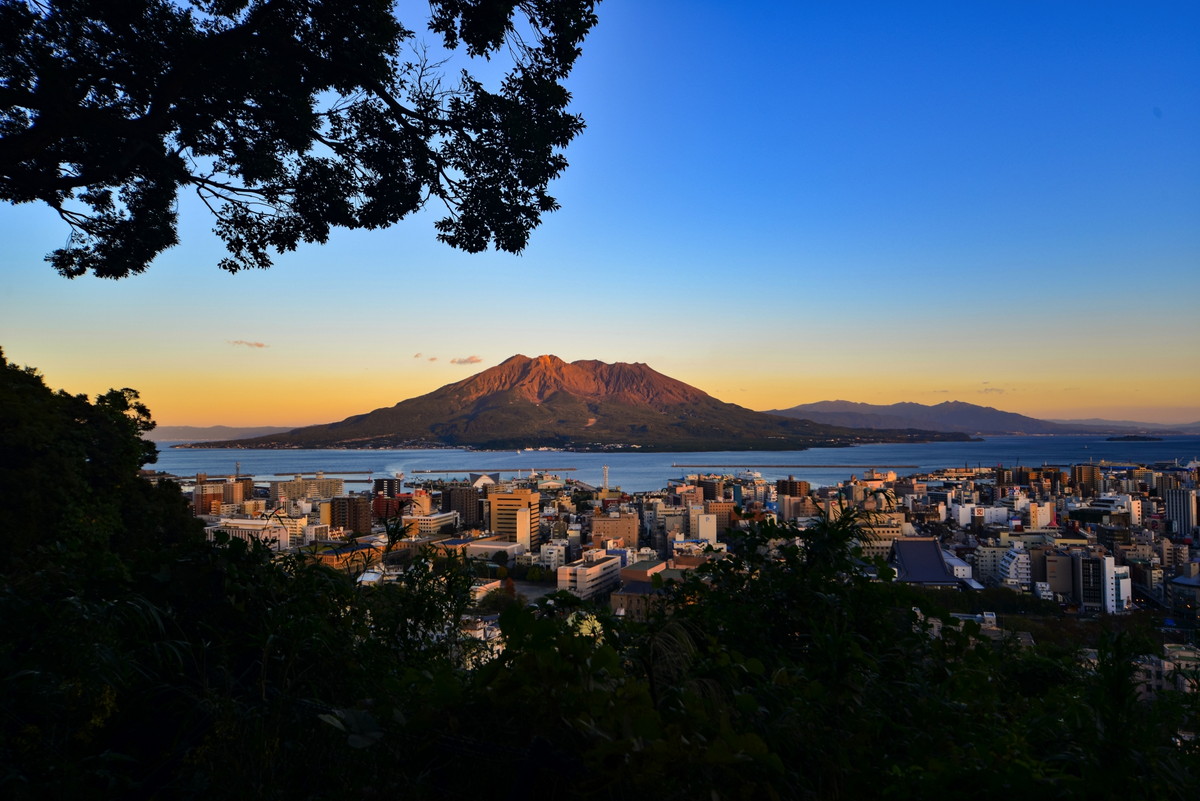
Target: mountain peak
pixel 536 379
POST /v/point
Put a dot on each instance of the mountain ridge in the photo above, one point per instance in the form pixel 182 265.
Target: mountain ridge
pixel 961 416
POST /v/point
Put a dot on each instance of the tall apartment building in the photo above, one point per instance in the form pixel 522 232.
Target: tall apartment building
pixel 1015 569
pixel 1087 479
pixel 465 501
pixel 986 563
pixel 300 487
pixel 1164 483
pixel 723 511
pixel 515 515
pixel 389 487
pixel 1181 509
pixel 207 498
pixel 792 486
pixel 351 513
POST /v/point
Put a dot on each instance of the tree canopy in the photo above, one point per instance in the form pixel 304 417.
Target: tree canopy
pixel 287 118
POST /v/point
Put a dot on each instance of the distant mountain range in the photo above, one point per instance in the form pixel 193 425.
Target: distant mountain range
pixel 546 402
pixel 209 433
pixel 964 417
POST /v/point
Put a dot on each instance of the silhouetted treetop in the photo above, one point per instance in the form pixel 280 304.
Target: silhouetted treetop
pixel 287 118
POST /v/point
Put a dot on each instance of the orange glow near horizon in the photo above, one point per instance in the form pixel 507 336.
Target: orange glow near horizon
pixel 290 400
pixel 196 394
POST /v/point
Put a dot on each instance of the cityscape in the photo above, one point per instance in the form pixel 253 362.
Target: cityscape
pixel 1093 538
pixel 604 401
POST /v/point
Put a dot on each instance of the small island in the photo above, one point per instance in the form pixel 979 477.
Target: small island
pixel 1134 438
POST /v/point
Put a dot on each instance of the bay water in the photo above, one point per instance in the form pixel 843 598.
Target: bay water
pixel 639 472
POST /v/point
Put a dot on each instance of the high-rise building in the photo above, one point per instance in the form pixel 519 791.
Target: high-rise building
pixel 723 511
pixel 1181 510
pixel 793 487
pixel 465 501
pixel 351 513
pixel 390 487
pixel 205 495
pixel 1164 483
pixel 1087 479
pixel 1100 585
pixel 515 515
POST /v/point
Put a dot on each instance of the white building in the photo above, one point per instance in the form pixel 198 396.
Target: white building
pixel 1015 569
pixel 1100 585
pixel 429 524
pixel 596 573
pixel 554 554
pixel 486 550
pixel 1041 515
pixel 960 568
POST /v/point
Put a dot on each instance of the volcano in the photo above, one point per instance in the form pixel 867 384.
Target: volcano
pixel 546 402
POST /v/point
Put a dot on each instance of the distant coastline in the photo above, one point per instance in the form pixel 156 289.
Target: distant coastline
pixel 637 470
pixel 681 447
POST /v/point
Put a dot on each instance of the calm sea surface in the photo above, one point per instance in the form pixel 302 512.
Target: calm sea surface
pixel 635 472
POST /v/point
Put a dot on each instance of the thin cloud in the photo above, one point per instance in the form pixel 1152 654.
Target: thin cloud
pixel 991 391
pixel 416 355
pixel 467 360
pixel 247 344
pixel 941 392
pixel 433 358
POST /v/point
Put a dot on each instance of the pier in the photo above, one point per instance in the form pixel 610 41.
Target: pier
pixel 795 466
pixel 504 470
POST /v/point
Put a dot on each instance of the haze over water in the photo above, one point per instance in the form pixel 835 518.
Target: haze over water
pixel 640 472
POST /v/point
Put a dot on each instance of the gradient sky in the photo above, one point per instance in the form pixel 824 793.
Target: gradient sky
pixel 779 203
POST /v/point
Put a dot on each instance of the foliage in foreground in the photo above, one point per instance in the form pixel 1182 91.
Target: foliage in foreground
pixel 141 661
pixel 287 118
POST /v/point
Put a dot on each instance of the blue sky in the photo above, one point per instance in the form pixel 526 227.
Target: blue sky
pixel 776 202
